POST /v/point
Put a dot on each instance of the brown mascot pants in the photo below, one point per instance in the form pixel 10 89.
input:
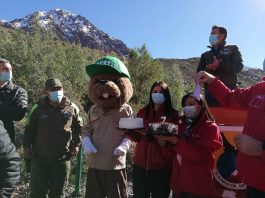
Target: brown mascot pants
pixel 106 183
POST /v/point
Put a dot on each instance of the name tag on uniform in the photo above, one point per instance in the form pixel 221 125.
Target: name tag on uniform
pixel 67 114
pixel 226 52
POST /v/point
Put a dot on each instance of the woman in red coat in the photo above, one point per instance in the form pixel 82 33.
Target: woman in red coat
pixel 192 174
pixel 152 159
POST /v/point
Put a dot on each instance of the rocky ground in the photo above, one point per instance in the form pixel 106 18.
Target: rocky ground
pixel 22 191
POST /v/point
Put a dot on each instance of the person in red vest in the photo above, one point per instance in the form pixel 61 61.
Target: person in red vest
pixel 192 172
pixel 152 157
pixel 251 144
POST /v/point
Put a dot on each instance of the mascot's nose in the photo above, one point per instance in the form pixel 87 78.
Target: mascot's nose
pixel 102 82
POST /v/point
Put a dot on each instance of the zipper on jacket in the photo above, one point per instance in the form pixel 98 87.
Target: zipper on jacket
pixel 147 161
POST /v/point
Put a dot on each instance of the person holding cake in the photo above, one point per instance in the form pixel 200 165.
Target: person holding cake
pixel 192 173
pixel 152 158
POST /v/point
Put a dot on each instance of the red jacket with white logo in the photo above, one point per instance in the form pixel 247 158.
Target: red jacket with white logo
pixel 251 169
pixel 193 163
pixel 148 154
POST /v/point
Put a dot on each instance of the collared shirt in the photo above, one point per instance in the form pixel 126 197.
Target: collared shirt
pixel 102 128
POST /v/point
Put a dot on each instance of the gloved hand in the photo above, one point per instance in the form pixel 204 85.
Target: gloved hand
pixel 248 145
pixel 89 148
pixel 122 149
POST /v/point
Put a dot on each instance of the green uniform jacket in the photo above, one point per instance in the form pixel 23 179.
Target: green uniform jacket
pixel 51 132
pixel 230 65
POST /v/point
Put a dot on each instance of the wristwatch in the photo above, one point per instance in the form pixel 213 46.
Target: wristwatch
pixel 263 145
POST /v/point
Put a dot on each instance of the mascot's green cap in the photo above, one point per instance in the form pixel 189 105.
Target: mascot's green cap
pixel 107 65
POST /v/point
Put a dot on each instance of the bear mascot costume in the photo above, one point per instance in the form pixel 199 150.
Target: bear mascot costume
pixel 105 146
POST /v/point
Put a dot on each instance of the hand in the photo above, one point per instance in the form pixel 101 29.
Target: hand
pixel 248 145
pixel 211 67
pixel 215 64
pixel 119 151
pixel 28 153
pixel 140 131
pixel 74 151
pixel 160 140
pixel 171 139
pixel 204 77
pixel 122 149
pixel 89 148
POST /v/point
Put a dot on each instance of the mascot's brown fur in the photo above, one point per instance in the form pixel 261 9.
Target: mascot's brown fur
pixel 105 146
pixel 109 90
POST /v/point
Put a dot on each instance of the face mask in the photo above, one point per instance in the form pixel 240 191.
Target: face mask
pixel 190 111
pixel 5 76
pixel 56 96
pixel 158 98
pixel 213 39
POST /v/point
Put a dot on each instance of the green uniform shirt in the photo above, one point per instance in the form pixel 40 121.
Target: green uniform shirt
pixel 51 132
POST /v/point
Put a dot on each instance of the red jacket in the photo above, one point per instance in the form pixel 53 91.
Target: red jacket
pixel 194 161
pixel 251 169
pixel 149 154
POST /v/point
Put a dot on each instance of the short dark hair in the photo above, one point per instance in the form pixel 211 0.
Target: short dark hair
pixel 222 30
pixel 2 60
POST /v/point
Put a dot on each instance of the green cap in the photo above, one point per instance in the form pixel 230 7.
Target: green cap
pixel 107 65
pixel 52 83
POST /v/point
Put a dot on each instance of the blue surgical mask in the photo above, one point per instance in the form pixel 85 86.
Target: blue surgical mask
pixel 56 96
pixel 190 111
pixel 213 39
pixel 158 98
pixel 5 76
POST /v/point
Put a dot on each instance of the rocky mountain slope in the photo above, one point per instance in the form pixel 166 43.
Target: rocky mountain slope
pixel 69 27
pixel 187 67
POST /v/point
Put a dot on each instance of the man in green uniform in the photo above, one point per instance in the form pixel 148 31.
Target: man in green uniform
pixel 51 137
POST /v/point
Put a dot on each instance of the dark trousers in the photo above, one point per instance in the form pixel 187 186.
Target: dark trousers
pixel 9 176
pixel 186 195
pixel 48 176
pixel 106 183
pixel 150 182
pixel 254 193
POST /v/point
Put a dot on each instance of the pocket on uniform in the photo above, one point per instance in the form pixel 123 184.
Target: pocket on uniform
pixel 67 120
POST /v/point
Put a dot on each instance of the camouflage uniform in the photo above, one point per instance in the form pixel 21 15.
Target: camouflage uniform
pixel 51 133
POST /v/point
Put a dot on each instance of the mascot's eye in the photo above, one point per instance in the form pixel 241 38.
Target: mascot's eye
pixel 116 81
pixel 102 82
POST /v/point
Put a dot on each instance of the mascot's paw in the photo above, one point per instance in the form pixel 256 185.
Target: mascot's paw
pixel 89 148
pixel 119 151
pixel 122 149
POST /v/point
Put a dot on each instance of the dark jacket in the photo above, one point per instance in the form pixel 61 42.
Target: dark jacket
pixel 148 154
pixel 230 65
pixel 13 106
pixel 52 132
pixel 9 164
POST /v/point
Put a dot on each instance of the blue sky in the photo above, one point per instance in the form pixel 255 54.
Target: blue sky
pixel 169 28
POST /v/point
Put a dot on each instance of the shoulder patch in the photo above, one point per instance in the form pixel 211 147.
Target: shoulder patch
pixel 77 112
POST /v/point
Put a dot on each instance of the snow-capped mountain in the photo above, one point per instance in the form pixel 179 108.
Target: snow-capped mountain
pixel 69 27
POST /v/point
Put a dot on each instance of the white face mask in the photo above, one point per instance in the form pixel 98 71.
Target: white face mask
pixel 190 111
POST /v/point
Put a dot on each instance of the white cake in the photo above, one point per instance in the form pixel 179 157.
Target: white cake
pixel 131 123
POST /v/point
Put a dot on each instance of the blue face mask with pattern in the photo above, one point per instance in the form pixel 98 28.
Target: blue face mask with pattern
pixel 56 96
pixel 213 39
pixel 158 98
pixel 5 76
